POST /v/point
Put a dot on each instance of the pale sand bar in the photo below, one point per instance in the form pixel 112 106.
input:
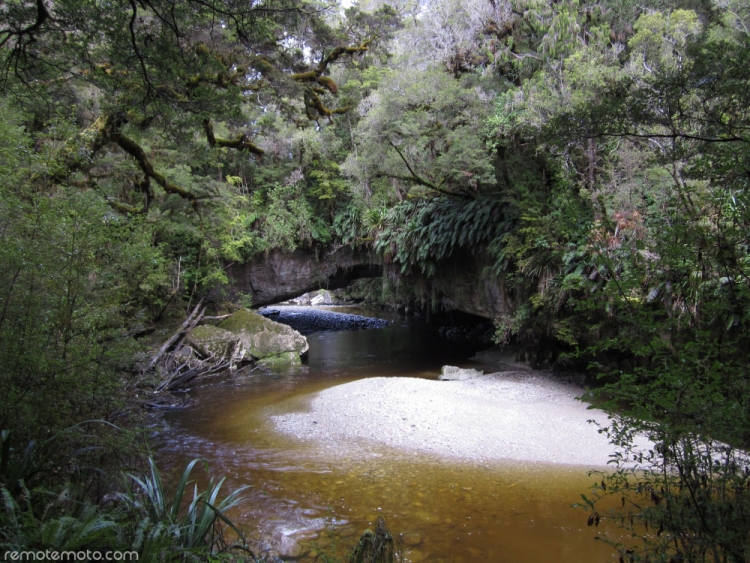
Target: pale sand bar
pixel 520 416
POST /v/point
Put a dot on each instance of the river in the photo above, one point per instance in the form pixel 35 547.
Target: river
pixel 308 500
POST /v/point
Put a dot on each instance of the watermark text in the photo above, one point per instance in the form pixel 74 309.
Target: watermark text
pixel 80 555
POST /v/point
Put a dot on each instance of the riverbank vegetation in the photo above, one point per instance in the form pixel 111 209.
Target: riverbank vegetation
pixel 593 156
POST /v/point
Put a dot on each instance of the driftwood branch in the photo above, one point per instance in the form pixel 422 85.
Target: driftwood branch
pixel 214 319
pixel 195 369
pixel 193 319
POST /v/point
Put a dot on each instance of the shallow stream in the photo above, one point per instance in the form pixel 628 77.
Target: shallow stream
pixel 305 500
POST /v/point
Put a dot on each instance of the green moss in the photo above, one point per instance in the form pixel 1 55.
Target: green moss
pixel 282 360
pixel 246 320
pixel 263 337
pixel 209 340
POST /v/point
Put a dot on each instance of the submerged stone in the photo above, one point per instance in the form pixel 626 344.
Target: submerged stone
pixel 411 538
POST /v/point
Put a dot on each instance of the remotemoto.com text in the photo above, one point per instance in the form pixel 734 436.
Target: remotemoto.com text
pixel 82 555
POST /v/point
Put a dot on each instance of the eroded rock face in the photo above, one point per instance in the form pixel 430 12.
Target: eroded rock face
pixel 467 283
pixel 463 282
pixel 265 339
pixel 281 275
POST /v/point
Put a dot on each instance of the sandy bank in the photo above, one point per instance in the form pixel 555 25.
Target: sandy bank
pixel 521 416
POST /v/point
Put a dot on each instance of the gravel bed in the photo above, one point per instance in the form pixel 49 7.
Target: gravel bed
pixel 520 416
pixel 307 320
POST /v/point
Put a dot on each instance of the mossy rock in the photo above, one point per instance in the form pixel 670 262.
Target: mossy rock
pixel 263 337
pixel 209 340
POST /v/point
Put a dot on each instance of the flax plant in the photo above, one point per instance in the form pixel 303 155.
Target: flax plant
pixel 197 527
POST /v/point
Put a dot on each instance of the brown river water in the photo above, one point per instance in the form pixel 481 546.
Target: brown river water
pixel 308 502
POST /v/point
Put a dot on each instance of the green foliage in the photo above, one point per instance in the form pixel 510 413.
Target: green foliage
pixel 70 270
pixel 659 280
pixel 420 233
pixel 691 488
pixel 86 528
pixel 346 225
pixel 287 219
pixel 660 42
pixel 420 129
pixel 163 526
pixel 150 524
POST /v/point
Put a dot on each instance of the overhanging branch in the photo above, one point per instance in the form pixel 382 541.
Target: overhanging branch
pixel 76 154
pixel 240 143
pixel 42 15
pixel 417 179
pixel 316 83
pixel 135 150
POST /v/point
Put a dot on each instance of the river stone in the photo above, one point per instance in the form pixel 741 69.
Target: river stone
pixel 411 539
pixel 318 297
pixel 184 353
pixel 265 338
pixel 288 547
pixel 453 373
pixel 323 297
pixel 209 340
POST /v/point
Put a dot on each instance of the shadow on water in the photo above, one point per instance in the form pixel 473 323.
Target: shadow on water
pixel 303 492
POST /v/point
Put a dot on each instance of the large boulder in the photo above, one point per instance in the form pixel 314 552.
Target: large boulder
pixel 266 340
pixel 210 341
pixel 318 297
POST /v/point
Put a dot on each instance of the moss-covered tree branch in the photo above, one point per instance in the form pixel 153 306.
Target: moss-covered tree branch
pixel 76 153
pixel 125 208
pixel 240 143
pixel 137 152
pixel 317 84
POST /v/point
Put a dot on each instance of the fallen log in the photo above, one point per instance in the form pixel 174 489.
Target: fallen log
pixel 193 319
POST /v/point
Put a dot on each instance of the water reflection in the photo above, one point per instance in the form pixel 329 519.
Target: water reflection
pixel 445 512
